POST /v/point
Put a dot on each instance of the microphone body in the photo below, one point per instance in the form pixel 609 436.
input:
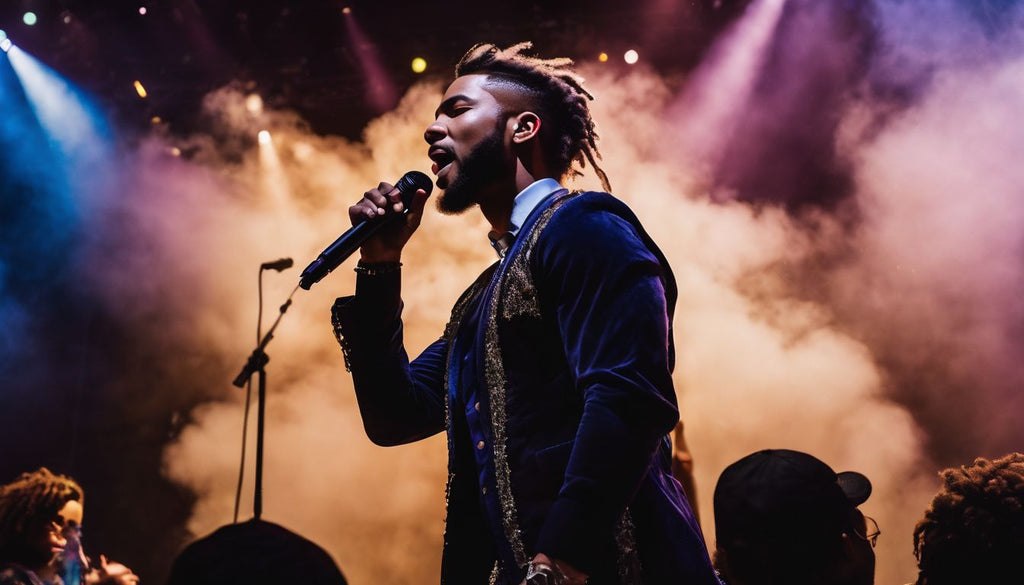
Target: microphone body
pixel 351 240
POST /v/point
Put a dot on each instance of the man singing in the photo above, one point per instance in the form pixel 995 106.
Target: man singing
pixel 553 377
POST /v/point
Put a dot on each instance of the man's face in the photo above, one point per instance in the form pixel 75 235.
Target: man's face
pixel 860 554
pixel 467 143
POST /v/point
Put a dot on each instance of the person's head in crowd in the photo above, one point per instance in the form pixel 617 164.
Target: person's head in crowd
pixel 35 510
pixel 974 530
pixel 785 517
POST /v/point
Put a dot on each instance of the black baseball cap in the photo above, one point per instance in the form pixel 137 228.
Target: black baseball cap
pixel 782 494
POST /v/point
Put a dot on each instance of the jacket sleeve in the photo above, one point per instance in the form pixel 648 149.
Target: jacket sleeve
pixel 607 290
pixel 400 402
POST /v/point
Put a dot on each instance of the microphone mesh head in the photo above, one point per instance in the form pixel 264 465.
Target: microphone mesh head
pixel 412 181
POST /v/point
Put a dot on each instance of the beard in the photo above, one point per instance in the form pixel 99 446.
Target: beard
pixel 481 166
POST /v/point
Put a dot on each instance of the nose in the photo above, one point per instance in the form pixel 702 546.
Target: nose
pixel 434 132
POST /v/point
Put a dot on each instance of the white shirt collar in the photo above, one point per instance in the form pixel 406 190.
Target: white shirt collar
pixel 524 204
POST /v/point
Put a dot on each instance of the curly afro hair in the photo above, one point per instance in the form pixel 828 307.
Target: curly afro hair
pixel 974 530
pixel 33 497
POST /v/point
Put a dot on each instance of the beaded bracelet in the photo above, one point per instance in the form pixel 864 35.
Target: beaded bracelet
pixel 377 268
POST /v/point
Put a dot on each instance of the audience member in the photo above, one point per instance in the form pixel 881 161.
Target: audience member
pixel 40 535
pixel 34 511
pixel 974 530
pixel 785 517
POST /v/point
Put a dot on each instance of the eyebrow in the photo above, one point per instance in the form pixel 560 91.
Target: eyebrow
pixel 448 103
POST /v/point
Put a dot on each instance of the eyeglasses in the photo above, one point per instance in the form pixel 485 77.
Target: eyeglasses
pixel 872 533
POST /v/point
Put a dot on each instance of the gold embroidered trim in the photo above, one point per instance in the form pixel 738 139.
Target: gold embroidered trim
pixel 450 330
pixel 520 294
pixel 497 383
pixel 336 325
pixel 628 558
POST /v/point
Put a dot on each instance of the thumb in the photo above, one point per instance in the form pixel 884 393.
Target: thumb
pixel 419 201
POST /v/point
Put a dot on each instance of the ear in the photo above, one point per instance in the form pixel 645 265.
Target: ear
pixel 524 127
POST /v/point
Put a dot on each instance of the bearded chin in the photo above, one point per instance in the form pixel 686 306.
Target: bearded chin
pixel 480 167
pixel 458 197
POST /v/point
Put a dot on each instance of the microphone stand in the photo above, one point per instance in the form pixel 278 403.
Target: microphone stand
pixel 257 363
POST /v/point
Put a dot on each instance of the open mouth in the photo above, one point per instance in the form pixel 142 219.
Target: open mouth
pixel 442 160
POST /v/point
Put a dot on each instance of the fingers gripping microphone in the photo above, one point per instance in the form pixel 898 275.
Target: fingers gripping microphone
pixel 351 240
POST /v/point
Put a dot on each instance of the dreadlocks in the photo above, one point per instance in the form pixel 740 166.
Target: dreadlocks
pixel 559 97
pixel 974 530
pixel 33 497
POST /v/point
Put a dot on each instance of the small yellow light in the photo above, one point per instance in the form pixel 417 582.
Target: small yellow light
pixel 156 119
pixel 419 65
pixel 346 10
pixel 139 89
pixel 254 104
pixel 603 57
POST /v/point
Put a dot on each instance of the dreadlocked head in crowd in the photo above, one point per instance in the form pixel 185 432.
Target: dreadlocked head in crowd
pixel 972 533
pixel 557 95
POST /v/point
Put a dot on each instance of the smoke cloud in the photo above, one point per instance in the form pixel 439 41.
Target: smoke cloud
pixel 848 256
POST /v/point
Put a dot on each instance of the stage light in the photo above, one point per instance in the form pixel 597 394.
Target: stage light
pixel 254 104
pixel 3 35
pixel 5 45
pixel 419 65
pixel 142 10
pixel 346 10
pixel 381 93
pixel 631 57
pixel 603 57
pixel 175 151
pixel 69 117
pixel 29 18
pixel 264 137
pixel 156 119
pixel 139 89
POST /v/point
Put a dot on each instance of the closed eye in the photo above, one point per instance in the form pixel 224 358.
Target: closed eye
pixel 453 106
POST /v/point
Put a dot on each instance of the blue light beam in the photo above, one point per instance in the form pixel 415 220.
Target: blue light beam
pixel 65 113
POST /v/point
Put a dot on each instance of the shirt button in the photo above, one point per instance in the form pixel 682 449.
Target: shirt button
pixel 476 407
pixel 480 445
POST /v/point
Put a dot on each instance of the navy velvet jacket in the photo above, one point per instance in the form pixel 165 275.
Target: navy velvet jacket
pixel 569 343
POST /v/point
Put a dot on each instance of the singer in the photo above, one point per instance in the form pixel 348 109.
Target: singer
pixel 553 377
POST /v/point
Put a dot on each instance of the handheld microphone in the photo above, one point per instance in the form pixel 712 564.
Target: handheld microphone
pixel 278 265
pixel 351 240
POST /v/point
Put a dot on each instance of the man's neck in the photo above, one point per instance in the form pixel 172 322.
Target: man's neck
pixel 497 205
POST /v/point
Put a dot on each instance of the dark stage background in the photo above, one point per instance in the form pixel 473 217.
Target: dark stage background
pixel 862 161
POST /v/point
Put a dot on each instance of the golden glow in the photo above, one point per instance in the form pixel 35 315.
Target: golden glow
pixel 603 57
pixel 139 89
pixel 254 104
pixel 419 65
